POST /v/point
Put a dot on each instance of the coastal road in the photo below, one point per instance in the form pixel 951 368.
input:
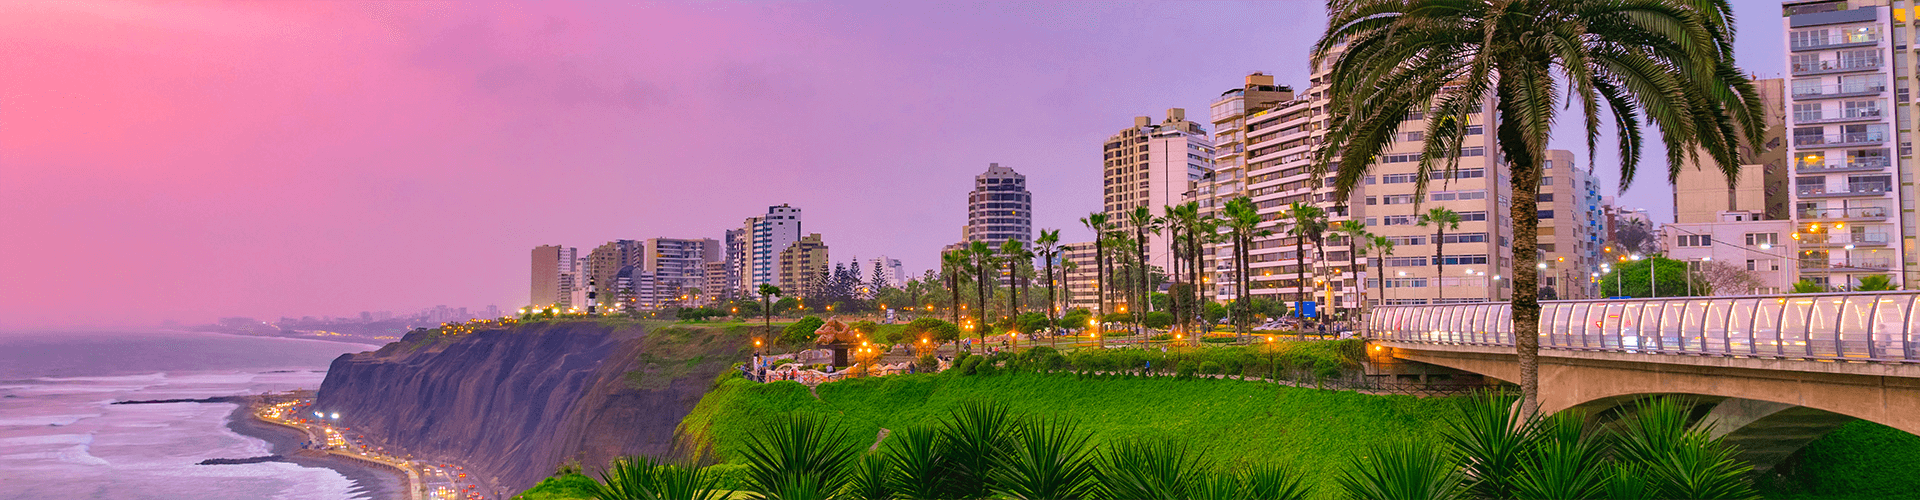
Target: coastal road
pixel 426 481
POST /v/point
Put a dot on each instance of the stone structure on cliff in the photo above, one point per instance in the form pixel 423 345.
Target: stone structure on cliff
pixel 838 337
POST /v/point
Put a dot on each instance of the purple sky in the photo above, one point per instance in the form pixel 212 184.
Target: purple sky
pixel 188 161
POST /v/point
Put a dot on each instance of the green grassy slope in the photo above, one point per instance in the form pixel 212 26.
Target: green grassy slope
pixel 1233 422
pixel 1860 460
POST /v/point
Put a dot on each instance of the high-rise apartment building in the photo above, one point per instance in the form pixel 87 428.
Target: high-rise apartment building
pixel 613 275
pixel 1701 192
pixel 552 276
pixel 1077 285
pixel 726 283
pixel 802 265
pixel 1571 231
pixel 1473 265
pixel 1154 166
pixel 1854 201
pixel 888 272
pixel 764 237
pixel 1228 179
pixel 999 208
pixel 678 266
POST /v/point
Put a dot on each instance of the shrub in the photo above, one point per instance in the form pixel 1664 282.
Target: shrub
pixel 1184 369
pixel 1158 319
pixel 1217 340
pixel 986 367
pixel 1210 368
pixel 932 328
pixel 800 333
pixel 864 327
pixel 1117 318
pixel 968 365
pixel 1161 337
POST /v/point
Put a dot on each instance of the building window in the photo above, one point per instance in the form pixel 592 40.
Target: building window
pixel 1544 214
pixel 1695 240
pixel 1757 239
pixel 1396 199
pixel 1399 220
pixel 1546 181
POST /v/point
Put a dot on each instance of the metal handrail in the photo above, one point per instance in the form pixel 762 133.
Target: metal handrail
pixel 1844 88
pixel 1847 326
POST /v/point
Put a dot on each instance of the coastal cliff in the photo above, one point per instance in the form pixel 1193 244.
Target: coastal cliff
pixel 513 404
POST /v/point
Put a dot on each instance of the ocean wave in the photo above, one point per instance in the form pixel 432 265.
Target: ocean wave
pixel 44 420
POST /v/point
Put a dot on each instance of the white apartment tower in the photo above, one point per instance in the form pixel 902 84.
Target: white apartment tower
pixel 763 238
pixel 999 208
pixel 1853 204
pixel 1228 180
pixel 1154 166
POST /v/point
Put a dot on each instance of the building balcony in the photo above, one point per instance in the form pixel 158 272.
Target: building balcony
pixel 1856 139
pixel 1838 66
pixel 1844 240
pixel 1845 116
pixel 1844 214
pixel 1853 189
pixel 1840 41
pixel 1845 265
pixel 1857 164
pixel 1838 91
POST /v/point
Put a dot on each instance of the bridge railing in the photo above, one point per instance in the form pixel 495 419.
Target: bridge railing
pixel 1857 326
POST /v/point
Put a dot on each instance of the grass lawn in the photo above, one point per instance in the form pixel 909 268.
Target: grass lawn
pixel 1232 422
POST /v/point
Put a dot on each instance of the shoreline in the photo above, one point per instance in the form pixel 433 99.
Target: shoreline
pixel 373 482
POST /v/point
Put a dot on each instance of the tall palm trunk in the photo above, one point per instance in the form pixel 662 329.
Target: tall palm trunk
pixel 1526 203
pixel 1300 259
pixel 1050 303
pixel 1439 265
pixel 1140 251
pixel 980 302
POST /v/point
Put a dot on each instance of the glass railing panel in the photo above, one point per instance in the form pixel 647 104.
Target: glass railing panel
pixel 1577 324
pixel 1822 326
pixel 1766 326
pixel 1650 313
pixel 1504 323
pixel 1554 320
pixel 1692 329
pixel 1740 326
pixel 1630 326
pixel 1856 327
pixel 1714 332
pixel 1793 326
pixel 1673 312
pixel 1888 338
pixel 1610 324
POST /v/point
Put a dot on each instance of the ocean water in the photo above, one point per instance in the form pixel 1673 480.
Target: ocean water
pixel 61 439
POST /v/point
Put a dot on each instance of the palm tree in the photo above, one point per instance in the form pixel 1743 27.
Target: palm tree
pixel 1309 222
pixel 1875 283
pixel 1441 219
pixel 1097 222
pixel 1143 222
pixel 1669 61
pixel 1243 224
pixel 954 264
pixel 1357 240
pixel 1383 246
pixel 1049 243
pixel 1014 253
pixel 983 267
pixel 767 293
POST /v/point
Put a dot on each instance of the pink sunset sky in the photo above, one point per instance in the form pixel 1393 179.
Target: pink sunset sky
pixel 186 161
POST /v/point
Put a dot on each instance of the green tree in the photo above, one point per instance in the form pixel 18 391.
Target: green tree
pixel 1143 223
pixel 1808 286
pixel 1015 255
pixel 1875 283
pixel 1669 61
pixel 800 333
pixel 983 266
pixel 767 293
pixel 1442 219
pixel 1634 275
pixel 1243 225
pixel 1382 247
pixel 1097 222
pixel 1309 223
pixel 954 265
pixel 1050 249
pixel 1357 241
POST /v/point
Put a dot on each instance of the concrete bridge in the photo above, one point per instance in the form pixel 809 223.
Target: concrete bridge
pixel 1778 371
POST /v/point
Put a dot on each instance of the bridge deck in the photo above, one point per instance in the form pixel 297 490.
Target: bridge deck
pixel 1858 326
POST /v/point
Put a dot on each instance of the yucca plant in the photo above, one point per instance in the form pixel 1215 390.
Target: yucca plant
pixel 1404 470
pixel 1677 459
pixel 1215 486
pixel 799 457
pixel 919 465
pixel 1492 439
pixel 871 479
pixel 1150 470
pixel 973 439
pixel 1272 482
pixel 642 478
pixel 1567 462
pixel 1049 460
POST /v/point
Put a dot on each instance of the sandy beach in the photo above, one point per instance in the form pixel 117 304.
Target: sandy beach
pixel 371 482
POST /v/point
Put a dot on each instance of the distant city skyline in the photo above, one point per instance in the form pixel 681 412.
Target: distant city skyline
pixel 400 156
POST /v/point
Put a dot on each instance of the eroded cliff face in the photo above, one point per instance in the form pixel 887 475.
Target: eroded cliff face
pixel 514 404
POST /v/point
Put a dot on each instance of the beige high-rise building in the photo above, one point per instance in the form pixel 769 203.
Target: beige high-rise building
pixel 1257 97
pixel 552 276
pixel 1701 192
pixel 1572 229
pixel 802 264
pixel 1078 286
pixel 1154 166
pixel 1476 263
